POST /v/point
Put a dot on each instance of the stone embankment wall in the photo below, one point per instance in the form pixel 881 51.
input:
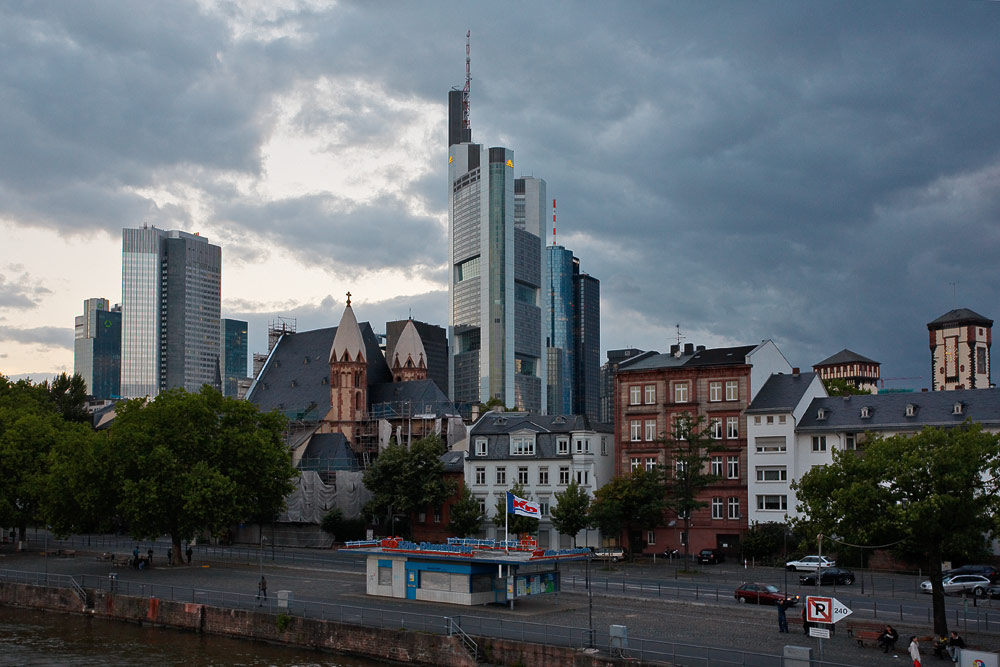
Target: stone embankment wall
pixel 402 646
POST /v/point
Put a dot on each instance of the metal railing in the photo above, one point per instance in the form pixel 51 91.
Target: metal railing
pixel 454 629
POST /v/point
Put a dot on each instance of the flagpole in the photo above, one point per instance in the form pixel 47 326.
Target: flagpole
pixel 506 518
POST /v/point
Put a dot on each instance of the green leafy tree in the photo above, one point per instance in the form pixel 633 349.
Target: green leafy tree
pixel 841 387
pixel 465 516
pixel 768 541
pixel 343 529
pixel 69 395
pixel 570 515
pixel 689 447
pixel 522 525
pixel 630 503
pixel 184 463
pixel 932 495
pixel 403 481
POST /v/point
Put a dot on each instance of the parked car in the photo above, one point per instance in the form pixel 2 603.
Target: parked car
pixel 988 571
pixel 613 554
pixel 993 592
pixel 810 563
pixel 831 575
pixel 977 584
pixel 763 594
pixel 711 556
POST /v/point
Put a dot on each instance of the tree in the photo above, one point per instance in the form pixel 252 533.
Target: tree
pixel 342 529
pixel 404 480
pixel 522 525
pixel 185 462
pixel 932 496
pixel 841 387
pixel 630 503
pixel 465 516
pixel 569 516
pixel 768 540
pixel 69 395
pixel 689 447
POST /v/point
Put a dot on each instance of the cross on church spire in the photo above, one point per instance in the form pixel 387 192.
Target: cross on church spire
pixel 348 298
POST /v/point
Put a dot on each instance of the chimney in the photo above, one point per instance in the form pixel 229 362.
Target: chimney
pixel 795 371
pixel 675 350
pixel 688 348
pixel 700 348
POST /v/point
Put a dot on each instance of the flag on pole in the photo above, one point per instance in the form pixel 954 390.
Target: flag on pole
pixel 522 507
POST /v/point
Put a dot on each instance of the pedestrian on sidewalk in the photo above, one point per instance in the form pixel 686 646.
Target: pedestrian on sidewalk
pixel 782 618
pixel 914 651
pixel 170 555
pixel 261 591
pixel 149 553
pixel 188 553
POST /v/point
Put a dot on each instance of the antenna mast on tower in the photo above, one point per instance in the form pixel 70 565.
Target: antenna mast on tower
pixel 468 82
pixel 553 222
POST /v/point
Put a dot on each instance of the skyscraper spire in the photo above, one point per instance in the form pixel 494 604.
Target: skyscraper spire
pixel 468 82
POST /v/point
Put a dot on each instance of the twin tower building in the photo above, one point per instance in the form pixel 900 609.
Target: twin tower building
pixel 524 321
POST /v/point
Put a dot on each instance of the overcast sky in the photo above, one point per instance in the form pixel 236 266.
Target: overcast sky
pixel 822 174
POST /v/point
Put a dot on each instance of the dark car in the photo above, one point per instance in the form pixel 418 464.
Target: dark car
pixel 831 575
pixel 988 571
pixel 763 594
pixel 711 556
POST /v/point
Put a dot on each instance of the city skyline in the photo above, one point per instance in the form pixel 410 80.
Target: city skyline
pixel 823 175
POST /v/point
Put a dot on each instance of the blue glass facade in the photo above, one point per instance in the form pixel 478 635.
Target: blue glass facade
pixel 560 334
pixel 234 355
pixel 98 348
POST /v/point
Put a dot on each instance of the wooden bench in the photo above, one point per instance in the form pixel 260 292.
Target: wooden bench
pixel 121 561
pixel 106 556
pixel 863 631
pixel 66 553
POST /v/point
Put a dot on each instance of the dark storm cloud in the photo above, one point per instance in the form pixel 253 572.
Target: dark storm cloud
pixel 45 336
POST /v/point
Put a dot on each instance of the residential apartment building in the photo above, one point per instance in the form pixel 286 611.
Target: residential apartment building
pixel 606 413
pixel 97 348
pixel 653 389
pixel 817 425
pixel 960 350
pixel 543 454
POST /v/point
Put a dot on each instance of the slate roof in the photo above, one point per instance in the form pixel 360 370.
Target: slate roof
pixel 716 356
pixel 295 379
pixel 888 411
pixel 497 426
pixel 781 393
pixel 958 317
pixel 424 397
pixel 845 356
pixel 329 451
pixel 454 461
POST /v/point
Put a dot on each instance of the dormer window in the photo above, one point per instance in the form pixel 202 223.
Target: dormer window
pixel 499 421
pixel 522 444
pixel 559 420
pixel 562 445
pixel 481 446
pixel 821 414
pixel 911 410
pixel 957 409
pixel 866 412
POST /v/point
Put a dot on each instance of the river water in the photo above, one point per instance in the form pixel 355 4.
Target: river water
pixel 30 637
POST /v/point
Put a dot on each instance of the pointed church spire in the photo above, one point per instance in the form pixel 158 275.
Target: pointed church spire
pixel 348 340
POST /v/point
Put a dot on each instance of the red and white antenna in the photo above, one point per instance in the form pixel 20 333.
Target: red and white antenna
pixel 553 222
pixel 468 82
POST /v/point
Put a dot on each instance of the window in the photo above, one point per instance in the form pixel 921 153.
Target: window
pixel 770 445
pixel 716 508
pixel 821 414
pixel 866 412
pixel 650 430
pixel 522 475
pixel 650 397
pixel 732 390
pixel 650 537
pixel 502 476
pixel 770 419
pixel 635 462
pixel 734 507
pixel 583 477
pixel 681 467
pixel 543 476
pixel 732 427
pixel 582 446
pixel 911 409
pixel 604 446
pixel 421 517
pixel 482 506
pixel 732 467
pixel 481 446
pixel 481 475
pixel 634 395
pixel 981 360
pixel 635 428
pixel 385 576
pixel 716 427
pixel 957 409
pixel 781 419
pixel 650 463
pixel 716 466
pixel 773 474
pixel 850 441
pixel 437 515
pixel 564 475
pixel 543 507
pixel 681 392
pixel 522 445
pixel 562 445
pixel 772 503
pixel 819 443
pixel 714 392
pixel 756 419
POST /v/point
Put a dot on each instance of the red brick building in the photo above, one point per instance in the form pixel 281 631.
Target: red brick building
pixel 652 389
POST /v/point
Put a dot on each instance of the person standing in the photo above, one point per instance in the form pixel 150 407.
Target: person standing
pixel 261 591
pixel 805 623
pixel 188 553
pixel 782 618
pixel 914 651
pixel 955 643
pixel 149 553
pixel 170 555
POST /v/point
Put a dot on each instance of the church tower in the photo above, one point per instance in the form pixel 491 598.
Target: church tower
pixel 409 361
pixel 348 375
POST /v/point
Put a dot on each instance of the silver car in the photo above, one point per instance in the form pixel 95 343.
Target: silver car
pixel 961 583
pixel 810 563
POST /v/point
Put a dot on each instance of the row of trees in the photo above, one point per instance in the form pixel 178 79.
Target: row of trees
pixel 182 464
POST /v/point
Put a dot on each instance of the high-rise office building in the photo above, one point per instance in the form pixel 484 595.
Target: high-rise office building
pixel 233 361
pixel 497 318
pixel 171 303
pixel 574 336
pixel 97 348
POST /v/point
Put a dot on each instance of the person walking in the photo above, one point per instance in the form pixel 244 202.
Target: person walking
pixel 261 591
pixel 914 651
pixel 188 553
pixel 149 553
pixel 782 618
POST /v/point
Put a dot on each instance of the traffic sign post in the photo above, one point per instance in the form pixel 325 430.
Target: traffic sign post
pixel 827 610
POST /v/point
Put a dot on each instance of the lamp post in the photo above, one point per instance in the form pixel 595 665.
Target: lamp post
pixel 784 549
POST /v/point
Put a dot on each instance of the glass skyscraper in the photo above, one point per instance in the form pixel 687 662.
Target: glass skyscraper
pixel 171 303
pixel 234 355
pixel 97 348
